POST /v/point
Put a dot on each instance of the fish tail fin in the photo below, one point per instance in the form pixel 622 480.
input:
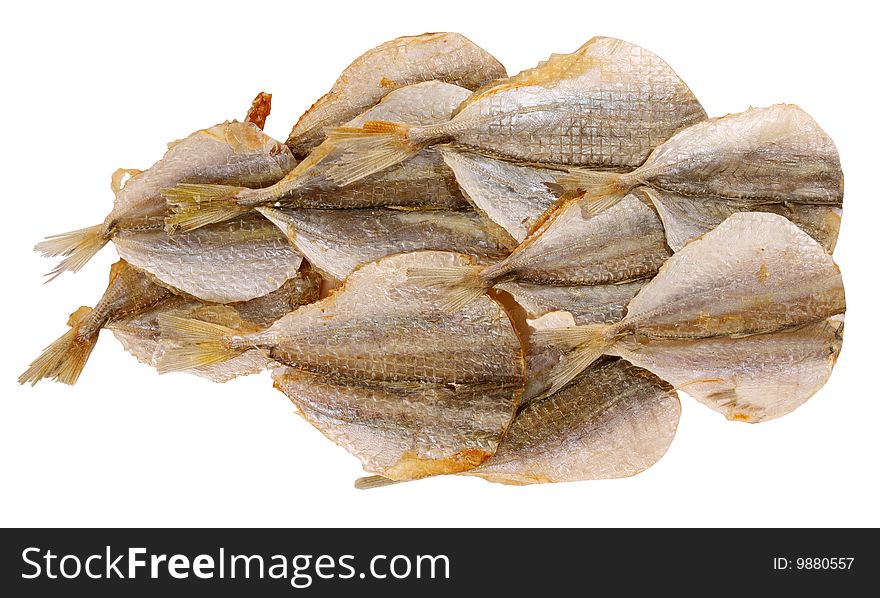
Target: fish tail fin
pixel 78 247
pixel 374 481
pixel 189 343
pixel 601 189
pixel 462 285
pixel 64 359
pixel 373 147
pixel 195 206
pixel 585 345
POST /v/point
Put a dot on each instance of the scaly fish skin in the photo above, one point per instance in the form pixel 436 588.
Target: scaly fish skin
pixel 773 154
pixel 140 335
pixel 233 261
pixel 572 247
pixel 337 241
pixel 448 57
pixel 754 273
pixel 615 420
pixel 606 105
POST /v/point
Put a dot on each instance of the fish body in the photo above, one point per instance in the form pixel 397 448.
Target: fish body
pixel 140 334
pixel 423 182
pixel 231 152
pixel 338 241
pixel 726 296
pixel 447 57
pixel 238 260
pixel 614 420
pixel 607 105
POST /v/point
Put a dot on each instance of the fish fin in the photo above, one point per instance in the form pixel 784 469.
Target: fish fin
pixel 587 343
pixel 196 206
pixel 193 343
pixel 375 146
pixel 462 285
pixel 260 109
pixel 601 189
pixel 374 481
pixel 64 359
pixel 79 246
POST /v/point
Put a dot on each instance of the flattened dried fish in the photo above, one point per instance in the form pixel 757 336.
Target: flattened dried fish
pixel 128 292
pixel 752 378
pixel 338 241
pixel 233 261
pixel 685 218
pixel 614 420
pixel 606 105
pixel 588 304
pixel 449 57
pixel 130 307
pixel 511 195
pixel 761 156
pixel 571 247
pixel 422 182
pixel 756 273
pixel 231 152
pixel 404 431
pixel 140 334
pixel 379 327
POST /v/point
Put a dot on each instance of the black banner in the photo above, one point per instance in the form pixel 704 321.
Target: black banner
pixel 321 562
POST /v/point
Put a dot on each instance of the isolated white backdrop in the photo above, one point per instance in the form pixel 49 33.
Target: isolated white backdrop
pixel 87 90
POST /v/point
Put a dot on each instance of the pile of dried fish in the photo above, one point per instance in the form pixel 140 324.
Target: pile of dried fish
pixel 453 271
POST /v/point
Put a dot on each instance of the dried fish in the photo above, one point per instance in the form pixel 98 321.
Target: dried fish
pixel 685 218
pixel 755 274
pixel 231 152
pixel 338 241
pixel 404 431
pixel 777 154
pixel 613 420
pixel 606 105
pixel 588 304
pixel 233 261
pixel 571 247
pixel 130 307
pixel 514 196
pixel 379 327
pixel 448 57
pixel 140 334
pixel 752 378
pixel 421 182
pixel 129 291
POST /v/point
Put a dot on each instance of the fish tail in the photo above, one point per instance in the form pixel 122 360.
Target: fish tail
pixel 462 285
pixel 584 345
pixel 601 189
pixel 189 343
pixel 78 247
pixel 64 359
pixel 195 206
pixel 373 147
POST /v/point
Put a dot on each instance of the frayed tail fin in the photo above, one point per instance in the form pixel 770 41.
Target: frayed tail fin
pixel 189 343
pixel 195 206
pixel 584 345
pixel 63 360
pixel 78 247
pixel 374 481
pixel 600 189
pixel 375 146
pixel 461 285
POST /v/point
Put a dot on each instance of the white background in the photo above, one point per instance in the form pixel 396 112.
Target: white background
pixel 87 90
